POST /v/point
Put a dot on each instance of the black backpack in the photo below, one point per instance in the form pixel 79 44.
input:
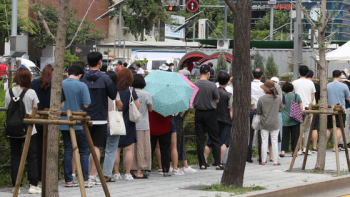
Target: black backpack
pixel 15 113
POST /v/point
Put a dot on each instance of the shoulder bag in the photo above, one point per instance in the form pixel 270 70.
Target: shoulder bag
pixel 134 113
pixel 295 111
pixel 116 122
pixel 256 122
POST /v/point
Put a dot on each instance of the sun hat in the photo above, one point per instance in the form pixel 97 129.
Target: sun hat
pixel 268 85
pixel 275 79
pixel 163 67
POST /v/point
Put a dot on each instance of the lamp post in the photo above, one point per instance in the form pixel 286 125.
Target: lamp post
pixel 119 39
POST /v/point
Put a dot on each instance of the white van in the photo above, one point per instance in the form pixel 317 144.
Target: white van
pixel 31 67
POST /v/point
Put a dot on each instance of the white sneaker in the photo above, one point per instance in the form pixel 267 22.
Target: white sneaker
pixel 189 170
pixel 75 181
pixel 300 152
pixel 309 152
pixel 171 169
pixel 88 183
pixel 95 180
pixel 19 191
pixel 128 177
pixel 178 172
pixel 34 190
pixel 117 177
pixel 160 171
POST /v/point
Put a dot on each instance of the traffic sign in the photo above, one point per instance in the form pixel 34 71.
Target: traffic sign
pixel 192 5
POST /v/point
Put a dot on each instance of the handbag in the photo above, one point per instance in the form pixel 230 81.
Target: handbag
pixel 134 113
pixel 295 111
pixel 256 122
pixel 116 122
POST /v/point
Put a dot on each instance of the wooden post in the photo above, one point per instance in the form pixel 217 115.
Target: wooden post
pixel 298 144
pixel 43 174
pixel 308 140
pixel 97 162
pixel 76 156
pixel 344 140
pixel 336 144
pixel 24 155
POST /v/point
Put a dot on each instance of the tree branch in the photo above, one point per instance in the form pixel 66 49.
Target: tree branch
pixel 81 23
pixel 329 18
pixel 44 22
pixel 308 18
pixel 318 62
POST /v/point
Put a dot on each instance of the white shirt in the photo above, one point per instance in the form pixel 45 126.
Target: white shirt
pixel 140 71
pixel 304 88
pixel 256 90
pixel 227 88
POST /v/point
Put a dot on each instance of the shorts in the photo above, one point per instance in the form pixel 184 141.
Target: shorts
pixel 225 135
pixel 317 122
pixel 99 135
pixel 330 121
pixel 173 128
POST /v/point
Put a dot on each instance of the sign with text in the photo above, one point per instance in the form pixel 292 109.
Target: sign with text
pixel 169 29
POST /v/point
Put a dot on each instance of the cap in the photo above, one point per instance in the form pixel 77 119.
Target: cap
pixel 224 71
pixel 275 79
pixel 204 69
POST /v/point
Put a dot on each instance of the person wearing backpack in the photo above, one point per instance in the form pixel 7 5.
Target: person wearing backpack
pixel 20 100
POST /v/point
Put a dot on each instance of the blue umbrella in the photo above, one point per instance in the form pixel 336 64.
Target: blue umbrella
pixel 170 92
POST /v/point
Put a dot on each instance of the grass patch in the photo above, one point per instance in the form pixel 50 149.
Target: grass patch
pixel 342 173
pixel 231 189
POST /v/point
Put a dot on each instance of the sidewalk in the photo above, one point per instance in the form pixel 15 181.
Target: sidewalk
pixel 272 177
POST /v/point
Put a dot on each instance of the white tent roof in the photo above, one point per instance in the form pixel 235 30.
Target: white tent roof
pixel 340 55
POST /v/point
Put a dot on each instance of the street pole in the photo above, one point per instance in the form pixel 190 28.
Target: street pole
pixel 297 42
pixel 291 21
pixel 225 22
pixel 271 21
pixel 120 27
pixel 194 28
pixel 14 27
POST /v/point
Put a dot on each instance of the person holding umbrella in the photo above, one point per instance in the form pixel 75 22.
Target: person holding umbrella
pixel 205 117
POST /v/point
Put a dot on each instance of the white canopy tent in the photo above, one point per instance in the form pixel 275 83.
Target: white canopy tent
pixel 340 55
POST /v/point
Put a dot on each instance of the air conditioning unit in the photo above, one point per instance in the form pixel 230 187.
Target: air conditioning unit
pixel 223 44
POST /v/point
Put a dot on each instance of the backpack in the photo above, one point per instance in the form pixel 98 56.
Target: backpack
pixel 15 113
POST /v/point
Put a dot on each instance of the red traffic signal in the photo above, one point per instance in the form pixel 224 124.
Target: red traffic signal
pixel 172 8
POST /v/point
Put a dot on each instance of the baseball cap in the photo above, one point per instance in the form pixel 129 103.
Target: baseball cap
pixel 275 79
pixel 204 69
pixel 224 71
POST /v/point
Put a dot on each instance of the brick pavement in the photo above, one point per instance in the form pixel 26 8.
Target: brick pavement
pixel 272 177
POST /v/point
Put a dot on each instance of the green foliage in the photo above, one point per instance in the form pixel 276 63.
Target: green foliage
pixel 5 20
pixel 88 31
pixel 219 31
pixel 141 62
pixel 69 58
pixel 280 18
pixel 232 188
pixel 258 61
pixel 146 13
pixel 271 67
pixel 221 65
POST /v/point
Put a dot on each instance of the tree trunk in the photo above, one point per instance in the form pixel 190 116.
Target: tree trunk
pixel 322 145
pixel 241 72
pixel 56 91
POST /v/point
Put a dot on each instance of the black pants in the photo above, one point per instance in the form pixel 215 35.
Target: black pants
pixel 205 120
pixel 251 136
pixel 164 146
pixel 39 147
pixel 293 132
pixel 16 153
pixel 181 145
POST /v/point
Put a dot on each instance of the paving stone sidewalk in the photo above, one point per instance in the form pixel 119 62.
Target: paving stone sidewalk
pixel 272 177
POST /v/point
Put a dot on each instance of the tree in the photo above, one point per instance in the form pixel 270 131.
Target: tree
pixel 219 31
pixel 258 61
pixel 5 20
pixel 241 72
pixel 87 30
pixel 221 65
pixel 279 18
pixel 69 58
pixel 271 67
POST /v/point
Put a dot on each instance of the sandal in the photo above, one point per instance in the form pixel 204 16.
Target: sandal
pixel 143 177
pixel 282 155
pixel 276 164
pixel 220 167
pixel 262 163
pixel 201 167
pixel 110 180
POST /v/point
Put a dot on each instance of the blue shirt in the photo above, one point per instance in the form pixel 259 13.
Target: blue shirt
pixel 337 92
pixel 77 94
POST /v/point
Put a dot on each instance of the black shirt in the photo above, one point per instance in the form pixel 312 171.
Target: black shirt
pixel 222 111
pixel 318 92
pixel 44 97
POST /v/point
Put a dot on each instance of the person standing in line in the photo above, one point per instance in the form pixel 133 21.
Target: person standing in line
pixel 279 91
pixel 125 65
pixel 224 117
pixel 185 71
pixel 30 100
pixel 309 76
pixel 119 66
pixel 256 93
pixel 205 116
pixel 124 83
pixel 212 71
pixel 112 140
pixel 78 98
pixel 347 120
pixel 251 133
pixel 42 88
pixel 195 71
pixel 306 90
pixel 171 66
pixel 268 108
pixel 291 128
pixel 139 69
pixel 142 148
pixel 337 92
pixel 100 87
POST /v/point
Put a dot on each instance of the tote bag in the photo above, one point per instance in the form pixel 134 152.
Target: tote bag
pixel 134 113
pixel 295 111
pixel 256 122
pixel 116 122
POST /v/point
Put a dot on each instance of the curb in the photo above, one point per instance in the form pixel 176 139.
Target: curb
pixel 309 189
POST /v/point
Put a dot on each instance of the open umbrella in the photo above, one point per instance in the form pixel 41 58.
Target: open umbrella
pixel 170 92
pixel 194 87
